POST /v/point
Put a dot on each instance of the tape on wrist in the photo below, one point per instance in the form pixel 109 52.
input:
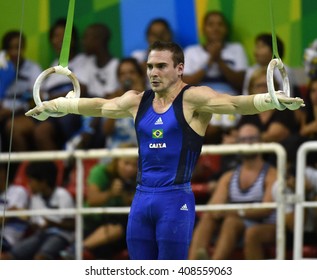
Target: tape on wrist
pixel 262 102
pixel 67 105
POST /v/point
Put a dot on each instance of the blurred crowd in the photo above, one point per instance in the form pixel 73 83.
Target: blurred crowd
pixel 218 63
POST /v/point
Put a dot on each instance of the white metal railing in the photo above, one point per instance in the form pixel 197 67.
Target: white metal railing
pixel 300 196
pixel 79 210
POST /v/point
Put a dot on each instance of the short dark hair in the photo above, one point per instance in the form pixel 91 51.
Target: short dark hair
pixel 175 49
pixel 43 171
pixel 267 39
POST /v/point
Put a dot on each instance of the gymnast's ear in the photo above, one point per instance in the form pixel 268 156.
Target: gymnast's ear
pixel 180 69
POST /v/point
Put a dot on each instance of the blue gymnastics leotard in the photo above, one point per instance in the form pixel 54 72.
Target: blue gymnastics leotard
pixel 162 214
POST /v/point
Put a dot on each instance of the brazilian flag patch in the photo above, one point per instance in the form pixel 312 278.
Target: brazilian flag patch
pixel 157 133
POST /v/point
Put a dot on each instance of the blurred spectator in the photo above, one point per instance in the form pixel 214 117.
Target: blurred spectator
pixel 261 236
pixel 276 126
pixel 111 185
pixel 311 190
pixel 7 73
pixel 217 63
pixel 98 77
pixel 59 85
pixel 118 131
pixel 55 132
pixel 51 233
pixel 220 126
pixel 18 96
pixel 310 60
pixel 310 214
pixel 12 197
pixel 157 30
pixel 251 181
pixel 308 128
pixel 263 53
pixel 99 73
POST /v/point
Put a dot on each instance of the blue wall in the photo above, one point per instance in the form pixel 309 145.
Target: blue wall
pixel 135 19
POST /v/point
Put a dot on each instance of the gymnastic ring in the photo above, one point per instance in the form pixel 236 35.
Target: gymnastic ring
pixel 58 70
pixel 277 62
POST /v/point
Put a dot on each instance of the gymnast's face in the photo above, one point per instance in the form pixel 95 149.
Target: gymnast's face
pixel 161 70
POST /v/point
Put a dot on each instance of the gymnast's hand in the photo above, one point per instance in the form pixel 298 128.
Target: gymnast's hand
pixel 43 111
pixel 264 102
pixel 290 103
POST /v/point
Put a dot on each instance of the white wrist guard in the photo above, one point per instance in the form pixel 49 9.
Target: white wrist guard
pixel 66 105
pixel 262 102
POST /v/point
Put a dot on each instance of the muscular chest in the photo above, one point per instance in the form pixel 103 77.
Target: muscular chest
pixel 160 108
